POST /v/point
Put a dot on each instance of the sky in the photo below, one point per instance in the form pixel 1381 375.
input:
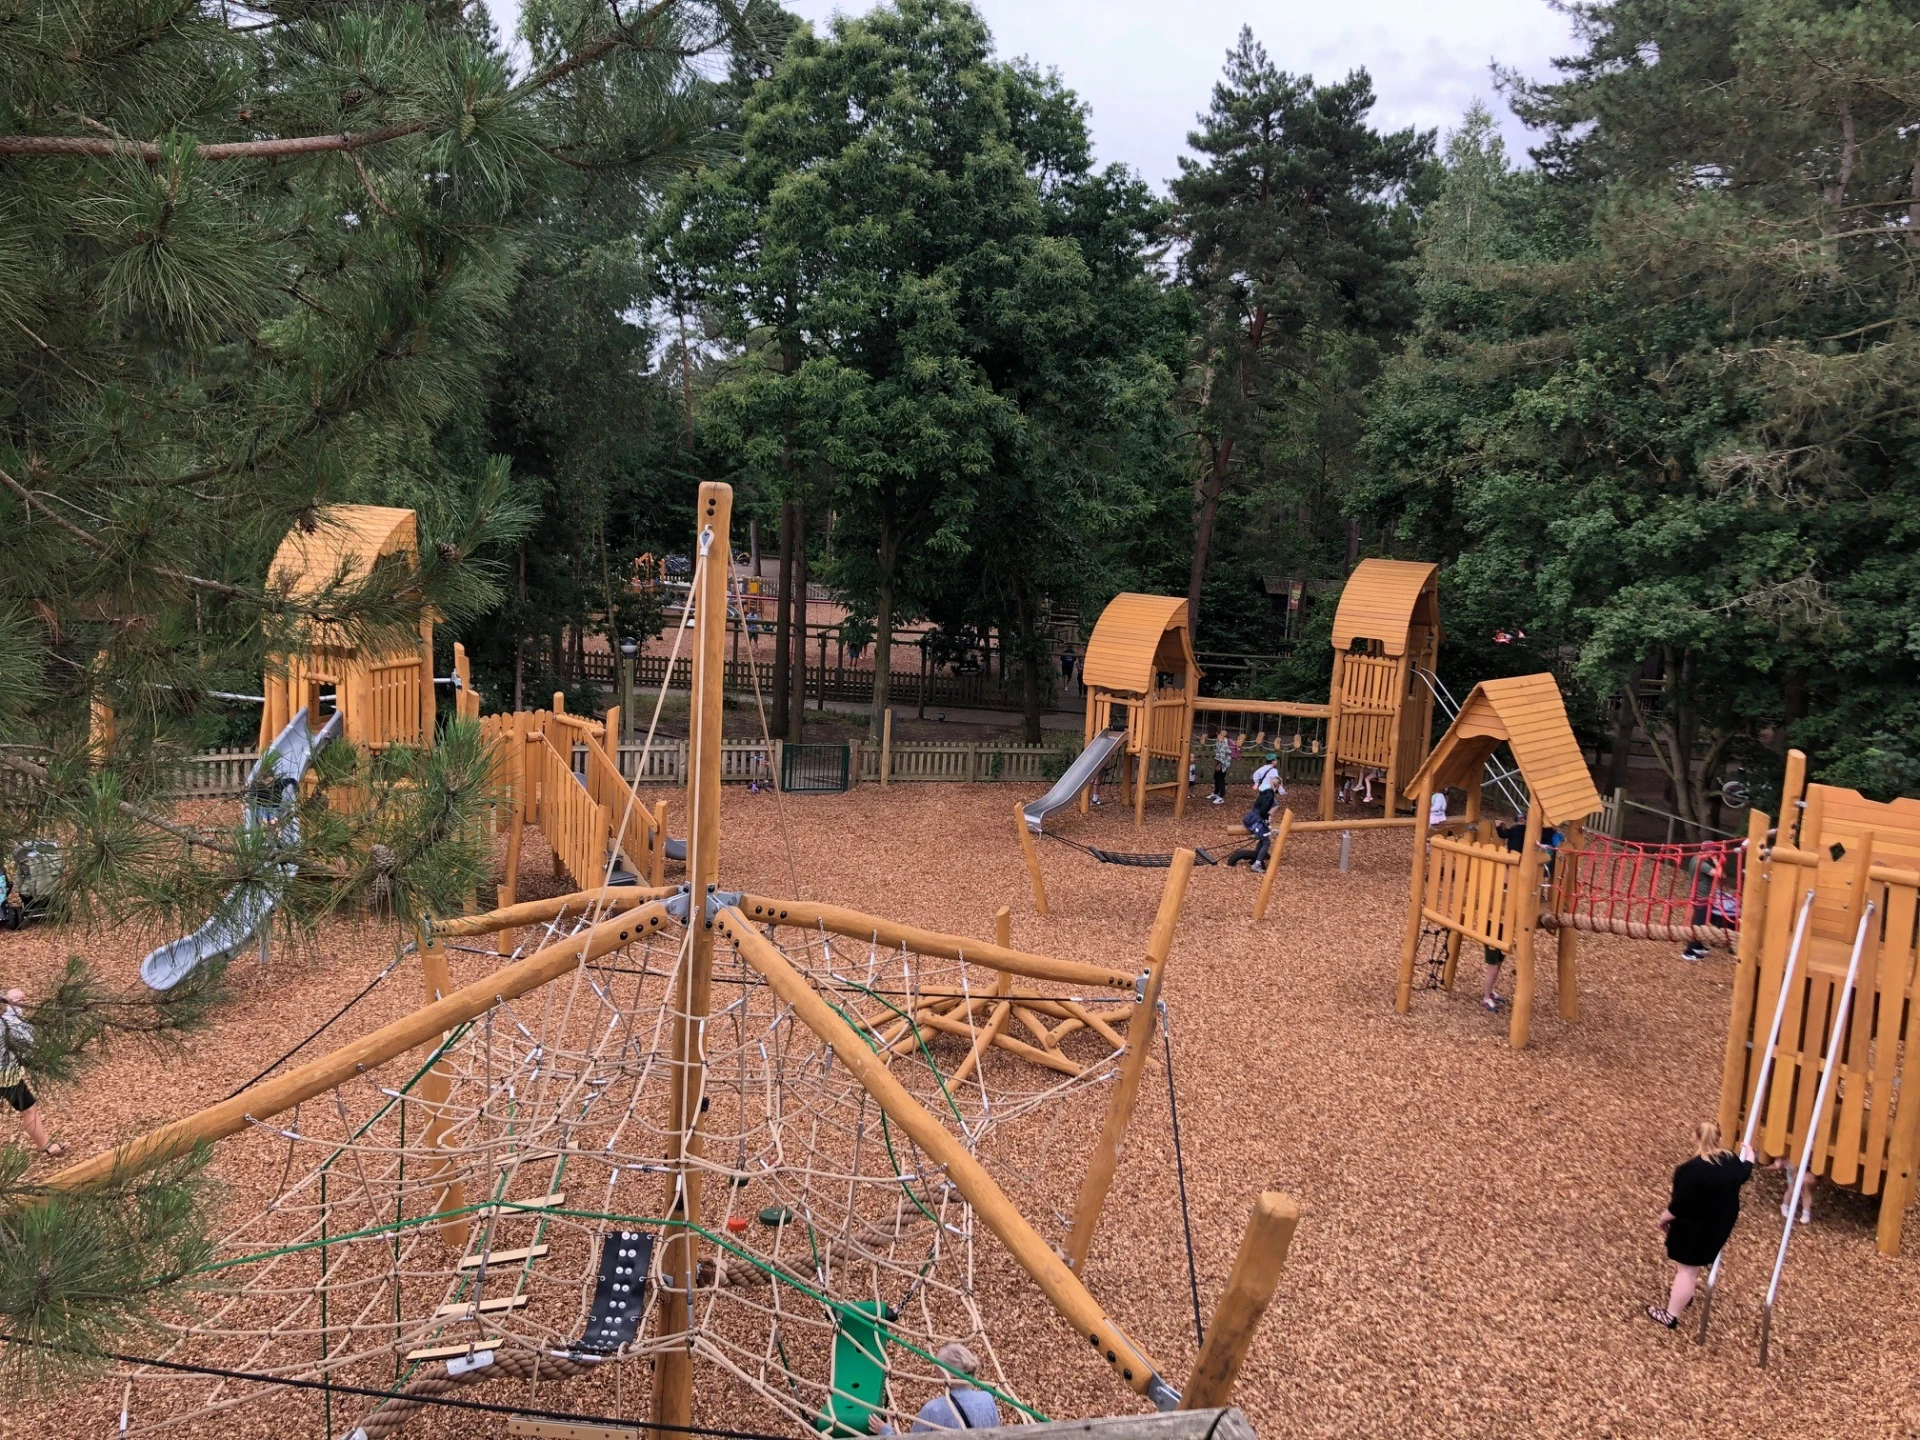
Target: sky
pixel 1147 69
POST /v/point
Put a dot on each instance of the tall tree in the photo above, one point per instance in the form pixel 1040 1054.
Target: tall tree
pixel 1293 225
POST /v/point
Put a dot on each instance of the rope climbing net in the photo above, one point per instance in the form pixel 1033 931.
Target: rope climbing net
pixel 396 1239
pixel 1652 892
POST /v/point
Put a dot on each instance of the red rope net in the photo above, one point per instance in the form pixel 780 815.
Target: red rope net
pixel 1653 892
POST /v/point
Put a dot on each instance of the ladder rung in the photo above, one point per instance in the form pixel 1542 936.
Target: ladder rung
pixel 466 1309
pixel 506 1209
pixel 454 1352
pixel 503 1257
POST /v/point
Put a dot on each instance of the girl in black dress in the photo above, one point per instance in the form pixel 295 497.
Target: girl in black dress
pixel 1700 1215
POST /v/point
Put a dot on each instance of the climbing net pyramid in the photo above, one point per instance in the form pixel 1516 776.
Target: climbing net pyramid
pixel 410 1232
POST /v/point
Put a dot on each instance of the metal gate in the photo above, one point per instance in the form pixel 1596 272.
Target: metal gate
pixel 816 768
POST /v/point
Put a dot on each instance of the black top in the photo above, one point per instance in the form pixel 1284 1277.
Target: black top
pixel 1705 1203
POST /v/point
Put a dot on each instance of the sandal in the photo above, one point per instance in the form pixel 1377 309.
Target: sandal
pixel 1662 1318
pixel 54 1150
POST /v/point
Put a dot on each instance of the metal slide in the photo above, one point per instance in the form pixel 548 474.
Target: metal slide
pixel 1079 775
pixel 273 800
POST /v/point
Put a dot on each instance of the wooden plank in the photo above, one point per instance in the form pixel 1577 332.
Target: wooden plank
pixel 1896 964
pixel 1250 1287
pixel 507 1209
pixel 467 1310
pixel 502 1257
pixel 533 1427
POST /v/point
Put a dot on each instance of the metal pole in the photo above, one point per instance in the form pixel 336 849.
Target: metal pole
pixel 1834 1040
pixel 1759 1088
pixel 1346 851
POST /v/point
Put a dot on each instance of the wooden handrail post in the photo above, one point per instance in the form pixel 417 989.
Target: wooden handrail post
pixel 1133 1063
pixel 1256 1271
pixel 1032 854
pixel 671 1409
pixel 1525 880
pixel 1330 766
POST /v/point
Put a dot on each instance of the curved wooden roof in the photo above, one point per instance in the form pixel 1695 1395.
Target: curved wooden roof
pixel 1383 600
pixel 345 539
pixel 1527 713
pixel 1135 636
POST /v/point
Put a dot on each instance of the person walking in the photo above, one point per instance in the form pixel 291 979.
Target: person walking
pixel 1266 780
pixel 1700 1215
pixel 961 1406
pixel 1067 661
pixel 15 1036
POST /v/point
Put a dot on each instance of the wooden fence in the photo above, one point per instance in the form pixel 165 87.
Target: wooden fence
pixel 852 684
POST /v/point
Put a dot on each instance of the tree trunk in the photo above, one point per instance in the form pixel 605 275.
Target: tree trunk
pixel 783 626
pixel 1353 545
pixel 1204 514
pixel 1029 674
pixel 520 640
pixel 1622 754
pixel 887 553
pixel 797 691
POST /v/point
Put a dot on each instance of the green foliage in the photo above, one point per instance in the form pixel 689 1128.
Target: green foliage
pixel 80 1014
pixel 85 1273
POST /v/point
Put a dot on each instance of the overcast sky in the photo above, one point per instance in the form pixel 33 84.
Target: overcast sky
pixel 1147 69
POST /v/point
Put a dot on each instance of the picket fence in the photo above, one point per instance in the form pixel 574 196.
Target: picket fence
pixel 222 774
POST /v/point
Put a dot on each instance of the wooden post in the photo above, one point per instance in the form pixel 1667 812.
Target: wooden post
pixel 1416 897
pixel 1003 927
pixel 1755 891
pixel 516 743
pixel 1059 1284
pixel 1329 768
pixel 1567 940
pixel 658 877
pixel 1792 788
pixel 886 746
pixel 1033 857
pixel 1526 914
pixel 1256 1271
pixel 1273 865
pixel 1133 1063
pixel 1002 1011
pixel 1146 760
pixel 429 707
pixel 672 1399
pixel 434 1088
pixel 1400 676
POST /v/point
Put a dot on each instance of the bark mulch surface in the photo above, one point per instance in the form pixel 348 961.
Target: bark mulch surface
pixel 1477 1244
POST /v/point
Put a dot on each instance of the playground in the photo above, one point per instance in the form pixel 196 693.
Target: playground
pixel 1476 1243
pixel 793 1092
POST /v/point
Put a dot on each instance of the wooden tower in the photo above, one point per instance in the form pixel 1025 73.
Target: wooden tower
pixel 1140 669
pixel 1380 711
pixel 384 698
pixel 1466 880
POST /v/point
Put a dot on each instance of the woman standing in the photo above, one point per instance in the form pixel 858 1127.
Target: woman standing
pixel 1700 1215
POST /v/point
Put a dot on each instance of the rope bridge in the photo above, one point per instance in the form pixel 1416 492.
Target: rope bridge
pixel 1651 892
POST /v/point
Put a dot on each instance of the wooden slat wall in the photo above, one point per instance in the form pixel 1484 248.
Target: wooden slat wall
pixel 1120 654
pixel 1378 602
pixel 1469 889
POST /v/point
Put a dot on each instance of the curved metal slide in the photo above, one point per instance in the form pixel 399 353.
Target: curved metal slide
pixel 273 800
pixel 1079 775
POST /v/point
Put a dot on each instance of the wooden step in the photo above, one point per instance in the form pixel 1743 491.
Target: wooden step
pixel 455 1352
pixel 466 1309
pixel 503 1257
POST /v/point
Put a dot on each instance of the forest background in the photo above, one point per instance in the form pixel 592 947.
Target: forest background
pixel 1649 399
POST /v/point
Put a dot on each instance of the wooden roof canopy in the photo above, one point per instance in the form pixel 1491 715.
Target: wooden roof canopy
pixel 1528 715
pixel 345 543
pixel 1387 600
pixel 1136 637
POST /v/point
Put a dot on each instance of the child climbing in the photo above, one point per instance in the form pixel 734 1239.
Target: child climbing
pixel 15 1036
pixel 1700 1214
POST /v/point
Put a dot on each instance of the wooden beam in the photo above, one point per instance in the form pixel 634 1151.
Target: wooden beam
pixel 1524 880
pixel 1416 896
pixel 1274 856
pixel 1133 1064
pixel 503 1257
pixel 671 1409
pixel 1032 854
pixel 836 920
pixel 1256 1271
pixel 316 1077
pixel 1059 1284
pixel 608 900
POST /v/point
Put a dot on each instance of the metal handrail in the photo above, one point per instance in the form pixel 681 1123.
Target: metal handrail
pixel 1509 782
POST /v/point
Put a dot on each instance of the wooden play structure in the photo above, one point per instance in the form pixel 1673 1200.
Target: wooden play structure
pixel 383 698
pixel 726 1097
pixel 1140 675
pixel 1852 865
pixel 559 774
pixel 1466 882
pixel 1386 632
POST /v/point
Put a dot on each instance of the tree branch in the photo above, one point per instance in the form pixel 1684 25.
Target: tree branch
pixel 41 775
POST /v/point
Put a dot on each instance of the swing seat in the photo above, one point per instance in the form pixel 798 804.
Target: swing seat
pixel 859 1380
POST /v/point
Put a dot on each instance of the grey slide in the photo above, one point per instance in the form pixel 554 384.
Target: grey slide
pixel 1079 775
pixel 273 800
